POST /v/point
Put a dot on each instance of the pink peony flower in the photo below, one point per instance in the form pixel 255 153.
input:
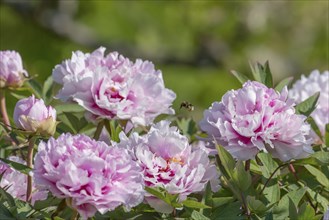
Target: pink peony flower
pixel 15 182
pixel 168 161
pixel 91 175
pixel 31 114
pixel 12 73
pixel 306 87
pixel 114 87
pixel 256 118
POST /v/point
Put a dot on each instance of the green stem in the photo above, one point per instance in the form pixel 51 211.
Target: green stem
pixel 248 213
pixel 61 206
pixel 268 180
pixel 74 215
pixel 108 127
pixel 30 164
pixel 3 110
pixel 99 130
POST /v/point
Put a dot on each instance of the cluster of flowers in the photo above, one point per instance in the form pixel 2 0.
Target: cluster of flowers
pixel 96 176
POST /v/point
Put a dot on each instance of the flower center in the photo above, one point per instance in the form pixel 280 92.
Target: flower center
pixel 113 93
pixel 175 160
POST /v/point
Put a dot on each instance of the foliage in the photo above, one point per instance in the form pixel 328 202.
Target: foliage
pixel 261 188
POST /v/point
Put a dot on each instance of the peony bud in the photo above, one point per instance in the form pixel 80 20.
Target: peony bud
pixel 32 115
pixel 12 73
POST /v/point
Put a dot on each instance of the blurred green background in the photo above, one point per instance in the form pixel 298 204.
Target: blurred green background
pixel 194 43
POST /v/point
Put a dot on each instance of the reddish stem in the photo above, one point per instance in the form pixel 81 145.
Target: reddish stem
pixel 3 110
pixel 29 164
pixel 247 165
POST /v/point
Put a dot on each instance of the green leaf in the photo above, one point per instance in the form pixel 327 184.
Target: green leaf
pixel 187 126
pixel 316 196
pixel 272 191
pixel 17 166
pixel 194 204
pixel 64 126
pixel 17 96
pixel 58 218
pixel 47 89
pixel 5 213
pixel 157 192
pixel 255 72
pixel 23 209
pixel 242 78
pixel 310 161
pixel 49 202
pixel 321 156
pixel 229 211
pixel 297 195
pixel 255 205
pixel 36 88
pixel 172 199
pixel 266 75
pixel 281 211
pixel 222 201
pixel 306 212
pixel 76 122
pixel 68 108
pixel 320 177
pixel 73 120
pixel 162 194
pixel 314 126
pixel 198 216
pixel 207 199
pixel 113 129
pixel 226 160
pixel 240 177
pixel 7 197
pixel 292 210
pixel 262 73
pixel 283 83
pixel 269 165
pixel 254 167
pixel 307 107
pixel 269 216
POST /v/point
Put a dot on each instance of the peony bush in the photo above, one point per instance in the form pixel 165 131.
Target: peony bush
pixel 99 139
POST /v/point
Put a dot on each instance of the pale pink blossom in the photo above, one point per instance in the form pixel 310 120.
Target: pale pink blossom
pixel 168 161
pixel 112 86
pixel 15 182
pixel 89 174
pixel 308 86
pixel 32 115
pixel 12 73
pixel 256 118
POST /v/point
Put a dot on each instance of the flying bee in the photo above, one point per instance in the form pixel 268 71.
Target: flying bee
pixel 187 105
